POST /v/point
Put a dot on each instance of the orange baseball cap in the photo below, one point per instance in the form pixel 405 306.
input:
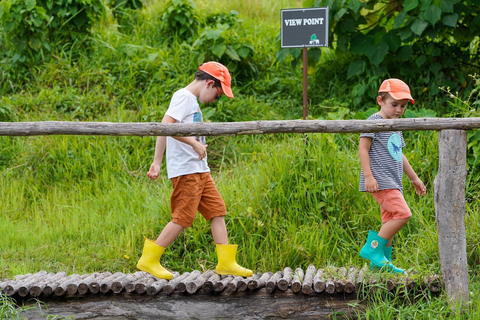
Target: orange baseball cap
pixel 219 72
pixel 398 89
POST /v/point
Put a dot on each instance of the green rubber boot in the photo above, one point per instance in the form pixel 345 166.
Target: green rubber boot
pixel 387 251
pixel 373 250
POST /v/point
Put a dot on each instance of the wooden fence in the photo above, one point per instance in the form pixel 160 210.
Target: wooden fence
pixel 449 184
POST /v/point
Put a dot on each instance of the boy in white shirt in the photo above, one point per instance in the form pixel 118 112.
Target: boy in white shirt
pixel 193 187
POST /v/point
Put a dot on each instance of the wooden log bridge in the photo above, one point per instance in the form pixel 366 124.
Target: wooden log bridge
pixel 312 281
pixel 449 188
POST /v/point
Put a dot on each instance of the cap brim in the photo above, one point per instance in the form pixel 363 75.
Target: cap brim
pixel 227 90
pixel 402 96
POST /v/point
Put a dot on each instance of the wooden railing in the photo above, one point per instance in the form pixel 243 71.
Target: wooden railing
pixel 449 184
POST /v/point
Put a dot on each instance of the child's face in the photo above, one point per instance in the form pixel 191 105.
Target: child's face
pixel 391 108
pixel 210 92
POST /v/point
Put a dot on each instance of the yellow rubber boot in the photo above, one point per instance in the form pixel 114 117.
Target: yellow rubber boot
pixel 227 264
pixel 150 260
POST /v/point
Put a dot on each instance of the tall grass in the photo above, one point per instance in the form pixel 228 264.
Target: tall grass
pixel 81 204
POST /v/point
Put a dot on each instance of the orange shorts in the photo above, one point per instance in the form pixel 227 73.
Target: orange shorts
pixel 192 193
pixel 392 204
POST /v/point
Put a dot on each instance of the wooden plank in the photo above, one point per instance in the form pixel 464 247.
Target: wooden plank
pixel 232 128
pixel 449 197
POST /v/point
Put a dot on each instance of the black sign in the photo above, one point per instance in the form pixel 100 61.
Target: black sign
pixel 306 27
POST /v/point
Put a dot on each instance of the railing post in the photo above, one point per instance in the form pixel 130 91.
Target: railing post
pixel 449 188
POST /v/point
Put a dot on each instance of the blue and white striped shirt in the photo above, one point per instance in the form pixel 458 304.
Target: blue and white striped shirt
pixel 386 158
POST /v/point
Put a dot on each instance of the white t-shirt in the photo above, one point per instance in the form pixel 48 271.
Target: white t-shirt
pixel 181 158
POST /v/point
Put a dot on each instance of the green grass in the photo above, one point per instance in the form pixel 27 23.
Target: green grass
pixel 83 204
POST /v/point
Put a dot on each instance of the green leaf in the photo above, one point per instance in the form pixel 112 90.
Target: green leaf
pixel 450 20
pixel 399 19
pixel 232 53
pixel 447 5
pixel 419 26
pixel 356 68
pixel 30 4
pixel 393 41
pixel 432 14
pixel 359 43
pixel 35 44
pixel 377 53
pixel 354 5
pixel 420 61
pixel 410 5
pixel 219 49
pixel 405 33
pixel 404 53
pixel 243 52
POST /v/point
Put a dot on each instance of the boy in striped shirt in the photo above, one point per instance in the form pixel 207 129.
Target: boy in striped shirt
pixel 383 165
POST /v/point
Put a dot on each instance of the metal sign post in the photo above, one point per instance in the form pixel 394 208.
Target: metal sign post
pixel 303 28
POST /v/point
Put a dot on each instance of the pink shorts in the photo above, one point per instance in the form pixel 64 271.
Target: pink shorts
pixel 192 193
pixel 392 204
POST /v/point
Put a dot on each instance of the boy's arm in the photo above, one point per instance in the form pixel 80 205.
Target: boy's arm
pixel 417 183
pixel 371 184
pixel 160 146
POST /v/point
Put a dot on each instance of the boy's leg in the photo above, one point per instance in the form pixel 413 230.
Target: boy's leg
pixel 212 207
pixel 219 230
pixel 390 228
pixel 171 231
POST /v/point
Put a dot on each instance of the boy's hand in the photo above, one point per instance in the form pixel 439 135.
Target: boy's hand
pixel 371 185
pixel 200 149
pixel 419 187
pixel 154 171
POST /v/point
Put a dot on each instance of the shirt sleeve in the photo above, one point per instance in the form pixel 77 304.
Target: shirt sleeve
pixel 177 108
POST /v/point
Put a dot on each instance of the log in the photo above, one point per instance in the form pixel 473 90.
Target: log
pixel 242 284
pixel 260 282
pixel 24 288
pixel 138 276
pixel 12 287
pixel 272 282
pixel 286 280
pixel 449 187
pixel 297 280
pixel 182 285
pixel 94 286
pixel 359 279
pixel 208 285
pixel 119 284
pixel 307 285
pixel 194 284
pixel 156 286
pixel 319 281
pixel 44 286
pixel 72 287
pixel 340 283
pixel 232 128
pixel 220 285
pixel 106 283
pixel 350 281
pixel 141 285
pixel 170 286
pixel 83 285
pixel 61 288
pixel 329 277
pixel 232 285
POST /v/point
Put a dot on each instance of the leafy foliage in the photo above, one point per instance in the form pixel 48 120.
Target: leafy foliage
pixel 33 29
pixel 181 19
pixel 429 43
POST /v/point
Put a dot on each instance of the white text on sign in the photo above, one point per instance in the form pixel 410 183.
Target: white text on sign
pixel 304 22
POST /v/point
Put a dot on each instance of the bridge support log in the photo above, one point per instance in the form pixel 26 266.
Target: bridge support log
pixel 449 187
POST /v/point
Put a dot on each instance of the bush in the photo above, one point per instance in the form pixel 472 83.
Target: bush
pixel 34 29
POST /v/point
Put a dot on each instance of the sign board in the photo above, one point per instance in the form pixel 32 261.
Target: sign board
pixel 307 27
